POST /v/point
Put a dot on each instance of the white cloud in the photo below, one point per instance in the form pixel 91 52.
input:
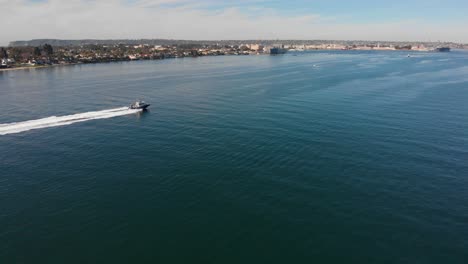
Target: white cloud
pixel 184 19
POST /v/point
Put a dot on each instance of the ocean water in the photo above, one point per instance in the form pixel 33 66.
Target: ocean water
pixel 326 157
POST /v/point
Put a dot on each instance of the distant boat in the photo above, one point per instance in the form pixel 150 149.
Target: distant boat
pixel 276 51
pixel 139 105
pixel 442 49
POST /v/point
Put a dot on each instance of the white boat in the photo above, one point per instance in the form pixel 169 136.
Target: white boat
pixel 139 105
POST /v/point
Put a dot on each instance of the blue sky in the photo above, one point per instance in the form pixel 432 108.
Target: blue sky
pixel 360 10
pixel 241 19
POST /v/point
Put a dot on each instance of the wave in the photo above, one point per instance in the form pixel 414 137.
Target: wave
pixel 54 121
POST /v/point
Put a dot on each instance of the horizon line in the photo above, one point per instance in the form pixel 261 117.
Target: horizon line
pixel 226 40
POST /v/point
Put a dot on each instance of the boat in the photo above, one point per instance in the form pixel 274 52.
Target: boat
pixel 139 105
pixel 278 50
pixel 442 49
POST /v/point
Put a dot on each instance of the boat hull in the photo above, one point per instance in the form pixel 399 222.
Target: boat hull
pixel 143 107
pixel 277 51
pixel 443 49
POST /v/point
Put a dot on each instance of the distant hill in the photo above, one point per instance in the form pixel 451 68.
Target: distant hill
pixel 83 42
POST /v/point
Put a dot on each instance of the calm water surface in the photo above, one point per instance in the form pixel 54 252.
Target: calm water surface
pixel 327 157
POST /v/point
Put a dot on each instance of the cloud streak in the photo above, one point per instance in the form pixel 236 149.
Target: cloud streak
pixel 208 20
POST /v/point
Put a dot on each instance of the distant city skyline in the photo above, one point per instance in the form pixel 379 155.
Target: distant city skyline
pixel 395 20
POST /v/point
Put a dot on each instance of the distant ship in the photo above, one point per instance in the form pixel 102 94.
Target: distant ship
pixel 276 51
pixel 442 49
pixel 139 105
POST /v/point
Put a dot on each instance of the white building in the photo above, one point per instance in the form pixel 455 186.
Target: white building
pixel 255 47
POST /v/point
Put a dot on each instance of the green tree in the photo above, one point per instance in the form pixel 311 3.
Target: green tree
pixel 47 48
pixel 15 53
pixel 3 53
pixel 37 51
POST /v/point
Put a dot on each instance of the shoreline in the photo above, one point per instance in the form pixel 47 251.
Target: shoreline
pixel 35 67
pixel 24 68
pixel 81 63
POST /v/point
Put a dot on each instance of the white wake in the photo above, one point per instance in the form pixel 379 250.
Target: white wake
pixel 53 121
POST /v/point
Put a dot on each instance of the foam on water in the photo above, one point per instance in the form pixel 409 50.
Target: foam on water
pixel 53 121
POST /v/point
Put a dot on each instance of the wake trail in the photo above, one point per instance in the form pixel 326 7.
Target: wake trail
pixel 54 121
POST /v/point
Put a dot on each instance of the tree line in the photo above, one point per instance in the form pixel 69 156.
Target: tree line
pixel 45 50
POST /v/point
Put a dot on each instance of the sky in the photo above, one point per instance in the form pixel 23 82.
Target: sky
pixel 402 20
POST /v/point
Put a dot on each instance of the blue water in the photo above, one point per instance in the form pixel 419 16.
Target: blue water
pixel 327 157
